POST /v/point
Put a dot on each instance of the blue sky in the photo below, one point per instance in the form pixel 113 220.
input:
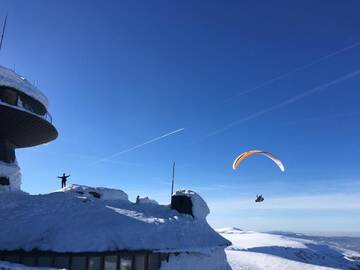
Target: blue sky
pixel 281 76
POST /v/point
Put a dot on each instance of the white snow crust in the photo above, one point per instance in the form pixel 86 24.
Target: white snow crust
pixel 10 79
pixel 255 251
pixel 200 209
pixel 105 193
pixel 12 171
pixel 147 200
pixel 67 221
pixel 214 260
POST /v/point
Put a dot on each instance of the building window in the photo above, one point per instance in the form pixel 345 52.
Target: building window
pixel 110 263
pixel 139 262
pixel 94 263
pixel 61 262
pixel 12 259
pixel 78 262
pixel 29 261
pixel 125 262
pixel 45 261
pixel 8 96
pixel 88 261
pixel 154 261
pixel 32 105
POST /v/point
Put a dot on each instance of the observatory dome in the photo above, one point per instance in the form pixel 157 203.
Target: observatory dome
pixel 11 79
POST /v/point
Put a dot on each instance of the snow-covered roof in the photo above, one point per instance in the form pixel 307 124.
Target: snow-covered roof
pixel 9 78
pixel 84 219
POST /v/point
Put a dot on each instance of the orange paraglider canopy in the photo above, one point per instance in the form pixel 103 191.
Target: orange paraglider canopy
pixel 244 155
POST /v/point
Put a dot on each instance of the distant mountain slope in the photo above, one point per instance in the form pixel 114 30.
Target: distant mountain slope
pixel 346 242
pixel 255 251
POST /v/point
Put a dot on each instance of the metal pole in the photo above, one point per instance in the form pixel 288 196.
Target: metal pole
pixel 173 179
pixel 3 31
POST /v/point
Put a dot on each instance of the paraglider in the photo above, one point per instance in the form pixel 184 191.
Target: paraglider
pixel 240 158
pixel 244 155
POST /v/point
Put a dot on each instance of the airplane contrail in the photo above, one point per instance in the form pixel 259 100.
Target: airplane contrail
pixel 137 146
pixel 319 60
pixel 287 102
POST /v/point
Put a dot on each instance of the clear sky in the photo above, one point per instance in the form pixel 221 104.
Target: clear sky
pixel 237 75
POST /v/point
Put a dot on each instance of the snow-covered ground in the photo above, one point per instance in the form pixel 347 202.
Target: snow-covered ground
pixel 255 251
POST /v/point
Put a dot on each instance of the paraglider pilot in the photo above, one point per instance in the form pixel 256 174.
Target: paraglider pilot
pixel 259 198
pixel 63 179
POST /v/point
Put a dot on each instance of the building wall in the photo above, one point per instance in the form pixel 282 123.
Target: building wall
pixel 142 260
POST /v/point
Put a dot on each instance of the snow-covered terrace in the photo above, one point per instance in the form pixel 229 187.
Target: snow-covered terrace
pixel 11 79
pixel 19 93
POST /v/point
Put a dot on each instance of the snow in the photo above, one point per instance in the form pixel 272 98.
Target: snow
pixel 11 79
pixel 253 250
pixel 68 221
pixel 91 192
pixel 15 266
pixel 11 171
pixel 146 200
pixel 214 260
pixel 200 209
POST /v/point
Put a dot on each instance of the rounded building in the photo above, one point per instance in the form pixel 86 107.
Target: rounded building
pixel 25 122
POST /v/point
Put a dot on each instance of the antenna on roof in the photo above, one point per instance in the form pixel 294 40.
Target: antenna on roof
pixel 3 32
pixel 173 179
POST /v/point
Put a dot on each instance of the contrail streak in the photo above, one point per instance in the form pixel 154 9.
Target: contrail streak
pixel 298 69
pixel 137 146
pixel 287 102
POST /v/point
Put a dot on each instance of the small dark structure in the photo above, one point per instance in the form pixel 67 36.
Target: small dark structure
pixel 4 181
pixel 182 204
pixel 259 198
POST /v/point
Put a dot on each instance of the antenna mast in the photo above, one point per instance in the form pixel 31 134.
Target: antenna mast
pixel 173 179
pixel 3 32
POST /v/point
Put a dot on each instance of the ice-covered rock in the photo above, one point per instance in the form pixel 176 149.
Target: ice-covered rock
pixel 10 171
pixel 200 209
